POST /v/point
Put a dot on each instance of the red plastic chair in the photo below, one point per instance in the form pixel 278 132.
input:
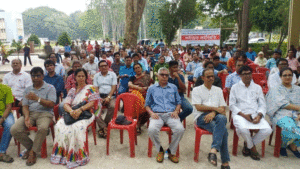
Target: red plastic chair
pixel 190 88
pixel 128 100
pixel 199 133
pixel 169 131
pixel 253 67
pixel 34 128
pixel 93 125
pixel 262 70
pixel 260 79
pixel 236 142
pixel 277 142
pixel 223 77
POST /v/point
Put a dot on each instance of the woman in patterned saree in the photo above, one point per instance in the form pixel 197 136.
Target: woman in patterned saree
pixel 138 85
pixel 69 148
pixel 283 106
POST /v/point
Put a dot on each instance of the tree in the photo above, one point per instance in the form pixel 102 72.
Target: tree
pixel 34 38
pixel 172 15
pixel 18 45
pixel 64 39
pixel 133 12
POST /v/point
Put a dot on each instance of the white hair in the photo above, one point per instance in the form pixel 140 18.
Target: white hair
pixel 163 69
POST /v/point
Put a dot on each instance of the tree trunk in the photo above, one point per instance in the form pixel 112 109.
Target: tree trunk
pixel 144 25
pixel 270 38
pixel 133 11
pixel 239 24
pixel 245 25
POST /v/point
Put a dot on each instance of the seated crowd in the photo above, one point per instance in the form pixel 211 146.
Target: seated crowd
pixel 89 80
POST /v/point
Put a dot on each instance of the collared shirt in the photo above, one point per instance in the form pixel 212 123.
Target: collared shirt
pixel 251 55
pixel 144 61
pixel 192 66
pixel 198 72
pixel 18 83
pixel 58 82
pixel 224 59
pixel 232 79
pixel 202 95
pixel 175 82
pixel 124 70
pixel 274 80
pixel 293 63
pixel 67 49
pixel 71 82
pixel 91 68
pixel 47 92
pixel 162 99
pixel 220 67
pixel 168 59
pixel 271 63
pixel 6 97
pixel 116 67
pixel 59 69
pixel 105 82
pixel 248 100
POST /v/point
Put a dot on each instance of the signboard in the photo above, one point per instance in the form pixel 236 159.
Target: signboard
pixel 200 37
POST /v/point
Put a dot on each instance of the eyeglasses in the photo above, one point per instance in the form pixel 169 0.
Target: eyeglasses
pixel 36 76
pixel 246 74
pixel 164 75
pixel 290 75
pixel 103 66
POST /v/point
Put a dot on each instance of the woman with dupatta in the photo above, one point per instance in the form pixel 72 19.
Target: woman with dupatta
pixel 69 148
pixel 283 106
pixel 138 85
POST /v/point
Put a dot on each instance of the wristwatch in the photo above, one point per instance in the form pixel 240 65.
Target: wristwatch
pixel 39 101
pixel 108 97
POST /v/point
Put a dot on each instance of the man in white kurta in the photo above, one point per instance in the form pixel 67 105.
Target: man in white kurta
pixel 248 107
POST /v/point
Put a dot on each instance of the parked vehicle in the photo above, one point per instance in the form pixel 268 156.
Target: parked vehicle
pixel 144 42
pixel 257 40
pixel 230 42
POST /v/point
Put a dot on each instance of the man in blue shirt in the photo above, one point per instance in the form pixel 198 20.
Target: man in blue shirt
pixel 192 66
pixel 163 103
pixel 234 78
pixel 271 63
pixel 67 48
pixel 223 57
pixel 54 79
pixel 136 59
pixel 124 74
pixel 59 69
pixel 251 54
pixel 217 65
pixel 161 43
pixel 178 80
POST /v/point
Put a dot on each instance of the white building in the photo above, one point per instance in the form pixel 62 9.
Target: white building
pixel 11 26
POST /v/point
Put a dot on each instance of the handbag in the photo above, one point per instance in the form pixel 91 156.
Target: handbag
pixel 84 115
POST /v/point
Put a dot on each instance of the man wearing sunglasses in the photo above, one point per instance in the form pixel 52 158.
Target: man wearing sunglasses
pixel 163 103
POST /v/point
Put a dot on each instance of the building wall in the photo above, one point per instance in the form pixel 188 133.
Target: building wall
pixel 11 26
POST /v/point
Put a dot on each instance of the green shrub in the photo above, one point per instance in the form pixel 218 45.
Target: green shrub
pixel 257 47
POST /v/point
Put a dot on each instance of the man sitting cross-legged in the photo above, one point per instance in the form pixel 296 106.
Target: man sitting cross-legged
pixel 38 102
pixel 163 103
pixel 248 107
pixel 210 115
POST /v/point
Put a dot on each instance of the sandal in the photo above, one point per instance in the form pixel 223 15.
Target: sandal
pixel 160 157
pixel 212 158
pixel 31 159
pixel 296 153
pixel 6 158
pixel 173 158
pixel 254 155
pixel 101 133
pixel 246 151
pixel 138 131
pixel 26 155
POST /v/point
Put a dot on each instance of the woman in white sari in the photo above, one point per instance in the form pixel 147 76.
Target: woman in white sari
pixel 69 148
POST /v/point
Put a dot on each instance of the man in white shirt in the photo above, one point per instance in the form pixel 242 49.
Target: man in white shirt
pixel 274 79
pixel 106 45
pixel 248 107
pixel 56 50
pixel 209 110
pixel 91 67
pixel 17 80
pixel 106 82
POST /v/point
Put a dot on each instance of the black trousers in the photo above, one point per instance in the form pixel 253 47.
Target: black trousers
pixel 26 59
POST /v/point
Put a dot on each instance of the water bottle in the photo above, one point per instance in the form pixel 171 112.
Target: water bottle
pixel 166 155
pixel 22 153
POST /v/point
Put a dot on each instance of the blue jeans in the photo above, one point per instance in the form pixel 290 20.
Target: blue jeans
pixel 6 136
pixel 122 89
pixel 186 107
pixel 190 78
pixel 220 135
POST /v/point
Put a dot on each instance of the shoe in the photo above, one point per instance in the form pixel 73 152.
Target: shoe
pixel 173 158
pixel 160 156
pixel 283 152
pixel 296 153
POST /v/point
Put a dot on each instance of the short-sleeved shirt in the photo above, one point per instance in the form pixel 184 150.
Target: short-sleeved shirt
pixel 116 67
pixel 198 72
pixel 59 69
pixel 251 55
pixel 202 95
pixel 293 63
pixel 6 97
pixel 91 68
pixel 162 99
pixel 271 63
pixel 105 82
pixel 224 59
pixel 47 92
pixel 18 83
pixel 57 81
pixel 176 83
pixel 192 66
pixel 220 67
pixel 232 79
pixel 124 70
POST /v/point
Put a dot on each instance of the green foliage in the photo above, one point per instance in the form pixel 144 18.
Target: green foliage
pixel 90 21
pixel 64 39
pixel 172 15
pixel 18 45
pixel 272 46
pixel 34 38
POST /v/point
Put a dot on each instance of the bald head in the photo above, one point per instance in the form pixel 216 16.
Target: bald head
pixel 16 65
